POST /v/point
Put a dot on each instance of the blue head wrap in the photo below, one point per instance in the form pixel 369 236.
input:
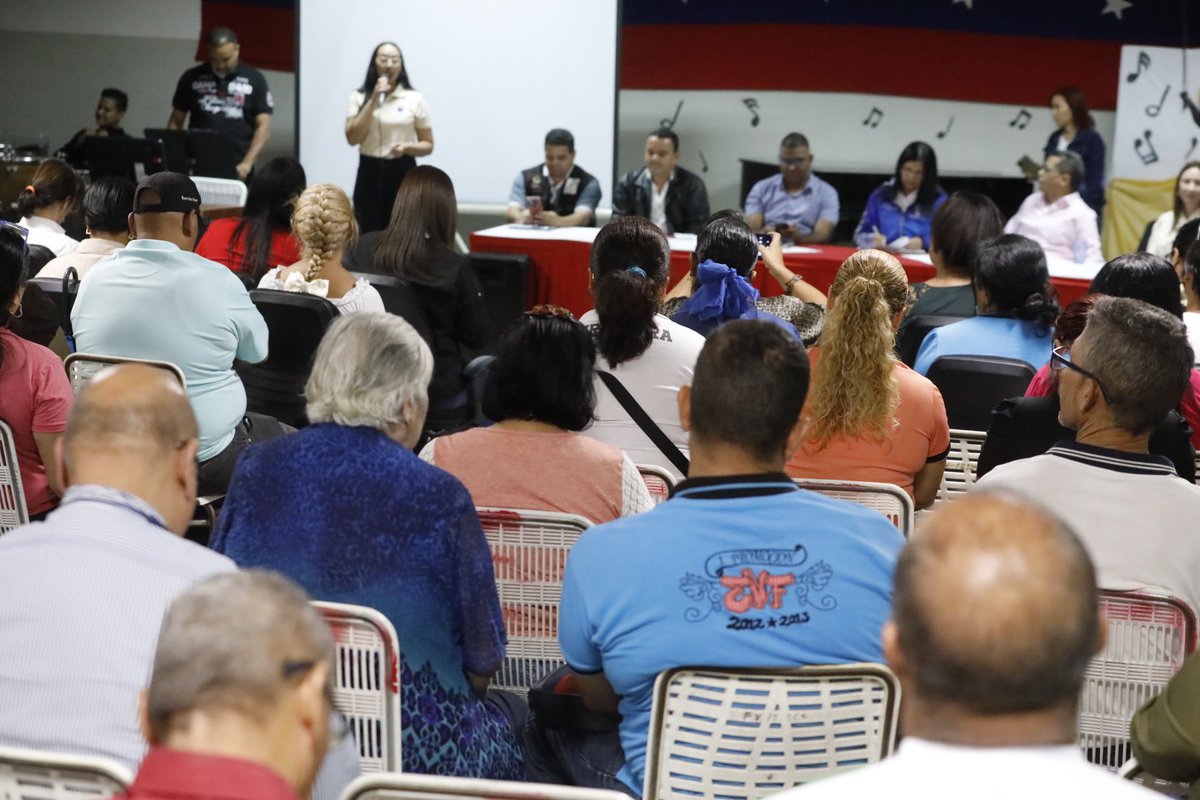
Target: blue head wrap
pixel 721 294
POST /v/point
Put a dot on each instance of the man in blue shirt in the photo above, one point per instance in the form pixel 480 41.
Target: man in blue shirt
pixel 800 206
pixel 739 568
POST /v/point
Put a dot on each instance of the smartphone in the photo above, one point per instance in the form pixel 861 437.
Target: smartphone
pixel 765 240
pixel 533 202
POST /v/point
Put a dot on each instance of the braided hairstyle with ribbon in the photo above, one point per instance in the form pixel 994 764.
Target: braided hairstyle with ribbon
pixel 323 223
pixel 630 266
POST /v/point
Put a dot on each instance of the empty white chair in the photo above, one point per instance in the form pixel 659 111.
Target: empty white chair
pixel 366 687
pixel 221 191
pixel 37 775
pixel 886 498
pixel 435 787
pixel 961 463
pixel 13 512
pixel 81 367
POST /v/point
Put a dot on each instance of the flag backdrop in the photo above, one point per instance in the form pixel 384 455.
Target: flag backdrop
pixel 266 29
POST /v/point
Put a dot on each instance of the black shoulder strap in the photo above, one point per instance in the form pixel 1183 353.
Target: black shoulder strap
pixel 648 426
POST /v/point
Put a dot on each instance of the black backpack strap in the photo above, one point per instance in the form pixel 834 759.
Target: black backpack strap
pixel 648 426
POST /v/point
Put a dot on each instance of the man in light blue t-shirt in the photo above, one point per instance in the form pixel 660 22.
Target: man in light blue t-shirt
pixel 738 568
pixel 796 204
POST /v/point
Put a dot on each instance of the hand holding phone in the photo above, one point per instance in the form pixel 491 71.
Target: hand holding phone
pixel 533 203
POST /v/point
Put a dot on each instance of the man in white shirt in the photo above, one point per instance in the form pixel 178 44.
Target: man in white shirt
pixel 994 619
pixel 663 192
pixel 1056 217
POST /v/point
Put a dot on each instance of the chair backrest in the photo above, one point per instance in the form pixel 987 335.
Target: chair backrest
pixel 1149 636
pixel 747 733
pixel 971 386
pixel 221 191
pixel 63 292
pixel 659 481
pixel 886 498
pixel 915 331
pixel 529 554
pixel 410 786
pixel 295 324
pixel 82 367
pixel 961 464
pixel 399 299
pixel 13 512
pixel 37 775
pixel 505 280
pixel 366 687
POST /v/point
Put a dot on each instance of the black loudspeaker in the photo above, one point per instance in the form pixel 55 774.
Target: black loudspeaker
pixel 504 278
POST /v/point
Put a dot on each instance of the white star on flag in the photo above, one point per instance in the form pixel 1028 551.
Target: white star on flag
pixel 1115 7
pixel 966 3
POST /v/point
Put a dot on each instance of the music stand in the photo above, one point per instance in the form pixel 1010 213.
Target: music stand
pixel 122 156
pixel 214 154
pixel 175 148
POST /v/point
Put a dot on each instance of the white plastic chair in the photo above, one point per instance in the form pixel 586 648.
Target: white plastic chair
pixel 886 498
pixel 221 191
pixel 82 367
pixel 367 682
pixel 659 481
pixel 1131 770
pixel 37 775
pixel 742 734
pixel 961 463
pixel 529 554
pixel 408 786
pixel 13 512
pixel 1149 636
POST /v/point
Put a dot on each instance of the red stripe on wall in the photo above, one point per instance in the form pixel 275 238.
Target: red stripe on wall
pixel 909 62
pixel 267 35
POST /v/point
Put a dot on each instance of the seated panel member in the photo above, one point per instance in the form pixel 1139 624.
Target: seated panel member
pixel 1056 217
pixel 569 195
pixel 796 203
pixel 663 192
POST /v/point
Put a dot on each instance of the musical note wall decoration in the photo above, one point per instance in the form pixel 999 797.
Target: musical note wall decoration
pixel 1020 120
pixel 1195 141
pixel 873 118
pixel 1142 63
pixel 942 133
pixel 1145 148
pixel 752 105
pixel 1190 105
pixel 670 123
pixel 1153 109
pixel 703 161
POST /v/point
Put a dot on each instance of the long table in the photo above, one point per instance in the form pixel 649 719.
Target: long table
pixel 558 269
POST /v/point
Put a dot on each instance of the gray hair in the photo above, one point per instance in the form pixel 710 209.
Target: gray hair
pixel 368 368
pixel 1071 165
pixel 1142 356
pixel 231 642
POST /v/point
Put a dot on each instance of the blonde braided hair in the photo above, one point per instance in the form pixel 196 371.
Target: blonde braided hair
pixel 323 222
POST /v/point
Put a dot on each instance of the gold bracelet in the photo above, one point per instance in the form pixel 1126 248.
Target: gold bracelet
pixel 792 281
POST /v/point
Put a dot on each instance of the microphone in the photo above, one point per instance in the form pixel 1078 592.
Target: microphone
pixel 381 96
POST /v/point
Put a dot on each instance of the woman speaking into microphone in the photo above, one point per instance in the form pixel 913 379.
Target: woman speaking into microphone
pixel 389 121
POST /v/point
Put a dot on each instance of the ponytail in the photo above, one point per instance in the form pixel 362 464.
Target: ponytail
pixel 54 181
pixel 626 303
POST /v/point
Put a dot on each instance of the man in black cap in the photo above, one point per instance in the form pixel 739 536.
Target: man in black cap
pixel 226 96
pixel 157 299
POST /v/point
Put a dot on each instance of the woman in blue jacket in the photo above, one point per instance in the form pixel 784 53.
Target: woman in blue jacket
pixel 1077 133
pixel 899 211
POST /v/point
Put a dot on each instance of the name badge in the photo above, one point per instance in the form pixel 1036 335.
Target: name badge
pixel 571 186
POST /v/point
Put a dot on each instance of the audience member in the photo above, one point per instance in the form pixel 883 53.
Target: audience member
pixel 110 110
pixel 82 594
pixel 262 236
pixel 723 264
pixel 994 620
pixel 647 356
pixel 1023 427
pixel 418 247
pixel 360 519
pixel 1122 375
pixel 107 204
pixel 1077 134
pixel 898 213
pixel 53 192
pixel 156 299
pixel 691 587
pixel 871 418
pixel 226 96
pixel 663 192
pixel 1164 732
pixel 35 395
pixel 1162 232
pixel 239 703
pixel 540 393
pixel 1056 217
pixel 558 193
pixel 796 204
pixel 323 223
pixel 1015 306
pixel 1190 275
pixel 958 227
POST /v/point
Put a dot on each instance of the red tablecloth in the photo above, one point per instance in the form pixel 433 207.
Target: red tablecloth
pixel 558 269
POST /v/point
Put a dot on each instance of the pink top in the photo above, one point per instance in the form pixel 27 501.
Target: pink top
pixel 35 397
pixel 1065 228
pixel 922 435
pixel 214 245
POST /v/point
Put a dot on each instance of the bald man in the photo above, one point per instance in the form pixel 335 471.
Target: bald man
pixel 994 619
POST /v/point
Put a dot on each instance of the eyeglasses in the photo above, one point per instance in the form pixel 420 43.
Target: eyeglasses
pixel 547 310
pixel 1060 358
pixel 793 162
pixel 339 725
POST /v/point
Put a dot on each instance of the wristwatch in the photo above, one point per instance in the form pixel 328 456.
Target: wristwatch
pixel 792 281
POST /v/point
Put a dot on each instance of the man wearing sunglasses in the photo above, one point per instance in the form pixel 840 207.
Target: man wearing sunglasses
pixel 1117 382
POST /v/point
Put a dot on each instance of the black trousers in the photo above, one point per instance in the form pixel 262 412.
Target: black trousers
pixel 375 189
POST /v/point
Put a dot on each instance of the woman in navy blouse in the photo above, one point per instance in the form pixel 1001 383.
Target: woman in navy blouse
pixel 1077 133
